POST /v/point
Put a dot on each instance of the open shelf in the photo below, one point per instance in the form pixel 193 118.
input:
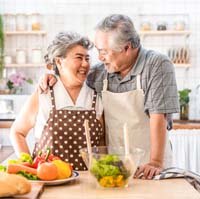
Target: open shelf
pixel 164 32
pixel 37 32
pixel 24 65
pixel 182 65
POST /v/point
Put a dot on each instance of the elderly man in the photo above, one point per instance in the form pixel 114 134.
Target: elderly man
pixel 138 87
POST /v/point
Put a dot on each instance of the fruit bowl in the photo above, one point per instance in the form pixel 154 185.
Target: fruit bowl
pixel 110 167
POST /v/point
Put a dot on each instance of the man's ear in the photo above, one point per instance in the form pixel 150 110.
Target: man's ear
pixel 128 46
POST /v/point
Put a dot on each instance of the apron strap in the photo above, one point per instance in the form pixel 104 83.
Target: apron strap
pixel 105 83
pixel 52 99
pixel 94 100
pixel 138 82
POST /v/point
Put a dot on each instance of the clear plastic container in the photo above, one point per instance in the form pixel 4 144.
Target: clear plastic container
pixel 36 56
pixel 20 56
pixel 21 22
pixel 9 22
pixel 35 19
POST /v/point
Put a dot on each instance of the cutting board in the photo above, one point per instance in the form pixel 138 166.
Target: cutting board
pixel 37 189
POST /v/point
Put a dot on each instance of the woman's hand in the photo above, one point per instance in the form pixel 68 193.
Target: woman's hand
pixel 46 81
pixel 148 171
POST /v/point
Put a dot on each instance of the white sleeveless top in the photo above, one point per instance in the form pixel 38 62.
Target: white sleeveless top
pixel 64 101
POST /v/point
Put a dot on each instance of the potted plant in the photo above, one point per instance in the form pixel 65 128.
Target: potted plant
pixel 1 47
pixel 184 99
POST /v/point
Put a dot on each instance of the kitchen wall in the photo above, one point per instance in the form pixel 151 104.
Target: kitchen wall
pixel 82 15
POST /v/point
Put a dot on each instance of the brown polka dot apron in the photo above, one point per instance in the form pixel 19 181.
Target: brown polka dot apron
pixel 64 133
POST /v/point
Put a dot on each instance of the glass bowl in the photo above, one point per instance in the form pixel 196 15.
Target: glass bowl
pixel 110 167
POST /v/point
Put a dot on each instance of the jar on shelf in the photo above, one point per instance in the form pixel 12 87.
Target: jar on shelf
pixel 8 59
pixel 179 25
pixel 21 22
pixel 161 26
pixel 35 20
pixel 145 26
pixel 9 22
pixel 20 56
pixel 36 56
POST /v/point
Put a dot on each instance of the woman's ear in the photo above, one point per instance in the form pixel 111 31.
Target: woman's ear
pixel 58 61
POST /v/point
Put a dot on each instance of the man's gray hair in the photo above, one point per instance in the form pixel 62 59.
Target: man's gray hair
pixel 121 29
pixel 62 43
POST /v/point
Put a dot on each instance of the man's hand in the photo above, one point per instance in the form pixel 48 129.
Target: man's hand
pixel 46 81
pixel 147 171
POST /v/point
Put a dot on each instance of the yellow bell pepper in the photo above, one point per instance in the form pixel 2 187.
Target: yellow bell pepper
pixel 64 170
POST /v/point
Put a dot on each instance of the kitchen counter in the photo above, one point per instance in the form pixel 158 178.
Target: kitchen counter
pixel 85 188
pixel 6 120
pixel 186 124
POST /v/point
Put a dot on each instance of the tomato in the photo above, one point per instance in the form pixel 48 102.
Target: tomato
pixel 47 171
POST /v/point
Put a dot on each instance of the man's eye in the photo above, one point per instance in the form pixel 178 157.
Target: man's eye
pixel 79 58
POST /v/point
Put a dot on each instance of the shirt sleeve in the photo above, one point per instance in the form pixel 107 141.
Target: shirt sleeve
pixel 161 95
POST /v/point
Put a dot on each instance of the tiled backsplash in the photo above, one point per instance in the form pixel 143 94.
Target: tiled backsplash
pixel 82 16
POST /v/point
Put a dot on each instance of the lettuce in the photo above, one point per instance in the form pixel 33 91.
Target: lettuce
pixel 103 167
pixel 25 157
pixel 3 168
pixel 28 175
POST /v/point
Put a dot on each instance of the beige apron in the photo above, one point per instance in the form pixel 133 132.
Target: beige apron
pixel 128 107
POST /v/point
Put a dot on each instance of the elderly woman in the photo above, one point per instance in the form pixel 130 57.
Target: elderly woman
pixel 58 115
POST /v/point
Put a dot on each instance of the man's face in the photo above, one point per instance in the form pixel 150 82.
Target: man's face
pixel 114 61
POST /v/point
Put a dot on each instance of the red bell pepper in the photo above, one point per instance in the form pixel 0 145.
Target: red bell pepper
pixel 38 160
pixel 49 157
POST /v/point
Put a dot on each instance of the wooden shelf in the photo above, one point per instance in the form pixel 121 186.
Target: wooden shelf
pixel 182 65
pixel 37 32
pixel 164 32
pixel 24 65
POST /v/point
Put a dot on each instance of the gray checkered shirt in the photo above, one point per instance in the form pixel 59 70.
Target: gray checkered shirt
pixel 157 80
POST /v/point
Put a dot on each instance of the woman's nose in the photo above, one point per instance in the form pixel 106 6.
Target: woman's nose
pixel 85 63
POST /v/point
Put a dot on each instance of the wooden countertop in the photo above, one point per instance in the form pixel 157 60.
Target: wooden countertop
pixel 5 124
pixel 85 188
pixel 186 124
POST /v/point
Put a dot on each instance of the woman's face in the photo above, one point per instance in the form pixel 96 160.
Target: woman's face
pixel 75 66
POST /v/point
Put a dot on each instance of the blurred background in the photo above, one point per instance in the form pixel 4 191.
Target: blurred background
pixel 171 27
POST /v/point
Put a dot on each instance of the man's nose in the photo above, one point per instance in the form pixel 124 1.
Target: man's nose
pixel 101 57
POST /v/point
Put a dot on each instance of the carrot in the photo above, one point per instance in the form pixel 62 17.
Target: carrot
pixel 15 168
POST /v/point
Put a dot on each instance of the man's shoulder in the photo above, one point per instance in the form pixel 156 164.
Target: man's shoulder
pixel 156 61
pixel 156 57
pixel 99 67
pixel 96 73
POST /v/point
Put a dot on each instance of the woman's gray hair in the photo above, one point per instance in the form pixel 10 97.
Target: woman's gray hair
pixel 122 31
pixel 62 43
